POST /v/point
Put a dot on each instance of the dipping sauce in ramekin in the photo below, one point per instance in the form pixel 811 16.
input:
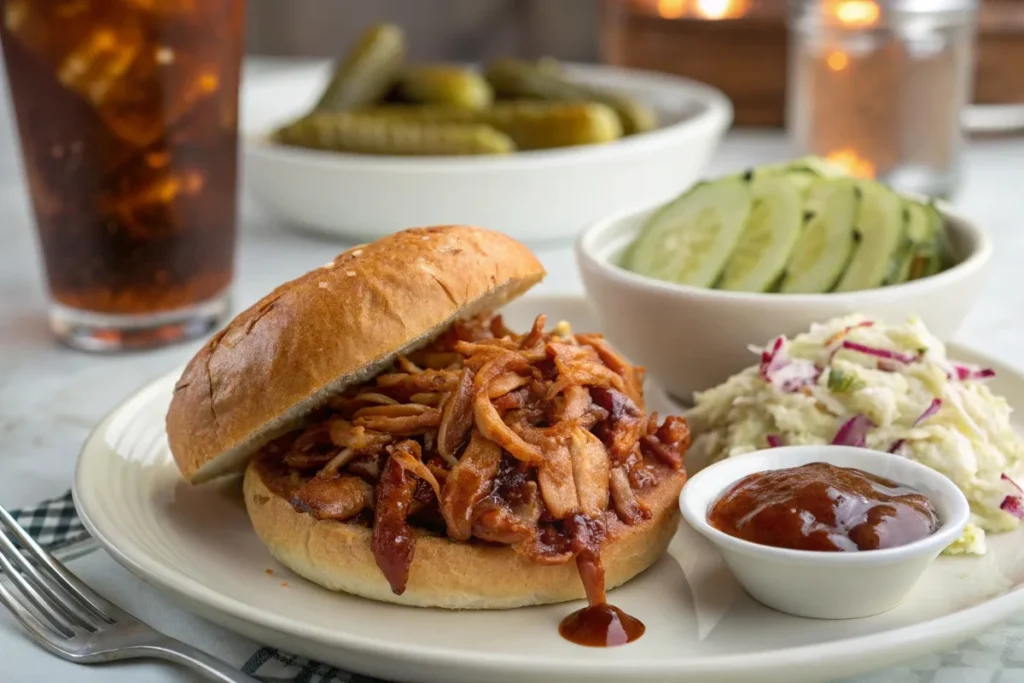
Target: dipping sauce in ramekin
pixel 823 507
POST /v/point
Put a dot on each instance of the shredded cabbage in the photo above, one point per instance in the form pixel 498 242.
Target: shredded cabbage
pixel 896 381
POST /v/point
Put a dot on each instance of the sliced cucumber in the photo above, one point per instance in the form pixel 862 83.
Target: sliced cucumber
pixel 940 239
pixel 826 241
pixel 824 167
pixel 880 234
pixel 930 254
pixel 917 234
pixel 799 172
pixel 802 178
pixel 690 240
pixel 813 165
pixel 771 233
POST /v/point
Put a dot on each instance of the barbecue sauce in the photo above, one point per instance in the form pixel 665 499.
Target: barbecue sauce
pixel 601 625
pixel 825 508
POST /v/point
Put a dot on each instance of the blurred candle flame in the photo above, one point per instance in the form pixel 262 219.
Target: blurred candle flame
pixel 860 13
pixel 703 9
pixel 671 9
pixel 837 60
pixel 855 164
pixel 721 9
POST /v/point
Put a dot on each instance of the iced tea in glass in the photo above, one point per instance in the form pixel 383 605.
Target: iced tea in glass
pixel 127 112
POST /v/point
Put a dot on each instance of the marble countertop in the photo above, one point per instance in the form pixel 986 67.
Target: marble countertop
pixel 50 396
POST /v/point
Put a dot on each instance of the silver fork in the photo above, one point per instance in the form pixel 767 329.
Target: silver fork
pixel 71 621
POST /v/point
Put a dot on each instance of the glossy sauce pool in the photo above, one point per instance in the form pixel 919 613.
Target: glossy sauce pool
pixel 601 625
pixel 822 507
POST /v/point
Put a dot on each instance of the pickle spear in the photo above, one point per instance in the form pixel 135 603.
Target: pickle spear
pixel 515 78
pixel 541 125
pixel 550 65
pixel 530 123
pixel 445 85
pixel 360 134
pixel 367 72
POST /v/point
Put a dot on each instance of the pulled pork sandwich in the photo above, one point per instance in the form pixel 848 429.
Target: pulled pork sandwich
pixel 400 443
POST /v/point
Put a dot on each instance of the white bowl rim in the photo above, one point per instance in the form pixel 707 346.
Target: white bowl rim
pixel 750 463
pixel 589 242
pixel 716 113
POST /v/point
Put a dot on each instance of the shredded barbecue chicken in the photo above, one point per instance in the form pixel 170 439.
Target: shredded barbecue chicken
pixel 538 441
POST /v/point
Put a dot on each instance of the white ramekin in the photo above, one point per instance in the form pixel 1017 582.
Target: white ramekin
pixel 826 585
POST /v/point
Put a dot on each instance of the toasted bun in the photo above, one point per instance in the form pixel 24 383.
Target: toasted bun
pixel 335 326
pixel 449 574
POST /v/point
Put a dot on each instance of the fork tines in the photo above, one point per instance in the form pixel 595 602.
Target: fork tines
pixel 54 604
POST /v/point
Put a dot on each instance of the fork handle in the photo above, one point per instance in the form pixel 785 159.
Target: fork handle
pixel 172 650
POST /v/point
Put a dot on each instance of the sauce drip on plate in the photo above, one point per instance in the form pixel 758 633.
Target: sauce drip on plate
pixel 825 508
pixel 598 624
pixel 601 625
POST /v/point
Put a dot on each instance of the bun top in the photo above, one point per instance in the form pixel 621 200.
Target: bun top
pixel 330 328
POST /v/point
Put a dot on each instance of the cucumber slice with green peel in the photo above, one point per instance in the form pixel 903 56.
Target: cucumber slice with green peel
pixel 771 233
pixel 917 234
pixel 920 226
pixel 826 241
pixel 925 262
pixel 879 231
pixel 690 240
pixel 804 172
pixel 816 166
pixel 824 167
pixel 931 255
pixel 803 179
pixel 942 257
pixel 814 202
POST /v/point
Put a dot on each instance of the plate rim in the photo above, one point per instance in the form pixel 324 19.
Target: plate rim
pixel 948 628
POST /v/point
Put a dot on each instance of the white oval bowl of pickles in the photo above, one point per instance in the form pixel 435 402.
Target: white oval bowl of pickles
pixel 533 195
pixel 685 287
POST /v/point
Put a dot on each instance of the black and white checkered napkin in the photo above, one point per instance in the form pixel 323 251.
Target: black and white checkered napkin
pixel 55 524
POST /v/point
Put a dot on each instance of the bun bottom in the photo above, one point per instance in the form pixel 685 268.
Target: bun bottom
pixel 445 573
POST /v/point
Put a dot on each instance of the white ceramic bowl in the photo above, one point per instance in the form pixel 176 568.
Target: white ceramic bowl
pixel 692 338
pixel 533 196
pixel 826 585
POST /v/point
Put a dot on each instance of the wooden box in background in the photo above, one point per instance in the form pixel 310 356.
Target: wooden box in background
pixel 739 46
pixel 999 77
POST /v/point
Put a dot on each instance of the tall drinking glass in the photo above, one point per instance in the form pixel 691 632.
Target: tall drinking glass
pixel 127 115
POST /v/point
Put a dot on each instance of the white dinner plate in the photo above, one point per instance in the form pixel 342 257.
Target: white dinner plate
pixel 534 196
pixel 196 543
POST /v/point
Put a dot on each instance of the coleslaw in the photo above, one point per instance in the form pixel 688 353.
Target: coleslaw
pixel 858 382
